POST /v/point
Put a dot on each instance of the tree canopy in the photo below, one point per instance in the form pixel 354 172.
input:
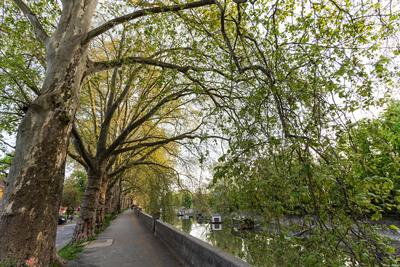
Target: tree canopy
pixel 131 83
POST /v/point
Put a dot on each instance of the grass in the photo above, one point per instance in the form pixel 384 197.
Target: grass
pixel 107 221
pixel 8 263
pixel 71 251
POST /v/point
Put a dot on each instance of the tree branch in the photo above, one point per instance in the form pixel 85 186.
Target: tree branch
pixel 141 13
pixel 128 164
pixel 136 123
pixel 187 135
pixel 37 26
pixel 80 147
pixel 78 159
pixel 106 65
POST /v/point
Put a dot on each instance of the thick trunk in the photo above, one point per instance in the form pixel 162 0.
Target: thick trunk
pixel 109 199
pixel 117 199
pixel 29 209
pixel 86 224
pixel 101 206
pixel 113 199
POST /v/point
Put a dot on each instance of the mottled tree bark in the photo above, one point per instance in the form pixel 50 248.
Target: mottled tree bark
pixel 113 204
pixel 29 209
pixel 101 206
pixel 86 224
pixel 109 199
pixel 118 197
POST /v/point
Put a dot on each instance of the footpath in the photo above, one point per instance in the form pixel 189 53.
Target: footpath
pixel 126 243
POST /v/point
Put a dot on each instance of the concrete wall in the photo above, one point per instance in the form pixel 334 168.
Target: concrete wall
pixel 146 219
pixel 190 250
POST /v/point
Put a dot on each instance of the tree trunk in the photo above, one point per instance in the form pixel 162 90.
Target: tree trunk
pixel 101 206
pixel 118 197
pixel 113 199
pixel 29 209
pixel 86 224
pixel 109 199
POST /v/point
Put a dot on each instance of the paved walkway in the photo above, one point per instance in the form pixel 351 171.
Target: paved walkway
pixel 132 245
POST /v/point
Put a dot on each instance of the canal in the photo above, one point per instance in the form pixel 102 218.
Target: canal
pixel 258 248
pixel 250 246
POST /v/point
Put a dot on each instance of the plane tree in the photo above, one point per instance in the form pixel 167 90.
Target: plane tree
pixel 283 58
pixel 128 114
pixel 308 68
pixel 64 33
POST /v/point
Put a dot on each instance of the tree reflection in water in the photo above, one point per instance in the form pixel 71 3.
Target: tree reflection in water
pixel 249 246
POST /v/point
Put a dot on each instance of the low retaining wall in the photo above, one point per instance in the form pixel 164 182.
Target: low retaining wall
pixel 190 250
pixel 147 219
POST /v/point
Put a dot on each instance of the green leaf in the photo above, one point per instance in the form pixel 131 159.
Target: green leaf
pixel 376 216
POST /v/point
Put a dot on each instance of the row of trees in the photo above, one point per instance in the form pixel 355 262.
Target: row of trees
pixel 128 112
pixel 127 82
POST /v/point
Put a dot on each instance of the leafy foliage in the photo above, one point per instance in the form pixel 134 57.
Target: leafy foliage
pixel 282 74
pixel 370 149
pixel 309 67
pixel 73 190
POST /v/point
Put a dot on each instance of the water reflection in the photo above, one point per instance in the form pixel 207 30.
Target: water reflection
pixel 216 227
pixel 186 225
pixel 275 246
pixel 249 246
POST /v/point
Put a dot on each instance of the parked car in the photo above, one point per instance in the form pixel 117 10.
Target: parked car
pixel 61 219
